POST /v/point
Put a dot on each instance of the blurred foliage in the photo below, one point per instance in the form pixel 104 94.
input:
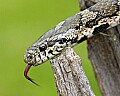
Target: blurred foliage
pixel 21 23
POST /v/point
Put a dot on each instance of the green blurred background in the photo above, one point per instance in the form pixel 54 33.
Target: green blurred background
pixel 21 23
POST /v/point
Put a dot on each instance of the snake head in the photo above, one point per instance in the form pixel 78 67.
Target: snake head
pixel 30 59
pixel 39 53
pixel 33 56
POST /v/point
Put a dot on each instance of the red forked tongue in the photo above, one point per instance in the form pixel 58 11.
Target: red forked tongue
pixel 26 72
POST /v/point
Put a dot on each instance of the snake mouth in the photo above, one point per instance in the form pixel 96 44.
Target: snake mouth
pixel 26 74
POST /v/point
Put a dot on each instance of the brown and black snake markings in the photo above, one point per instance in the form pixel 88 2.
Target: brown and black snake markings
pixel 98 18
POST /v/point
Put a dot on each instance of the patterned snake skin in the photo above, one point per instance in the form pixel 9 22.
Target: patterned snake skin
pixel 98 18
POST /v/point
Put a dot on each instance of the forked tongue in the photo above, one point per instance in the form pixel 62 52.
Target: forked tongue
pixel 26 74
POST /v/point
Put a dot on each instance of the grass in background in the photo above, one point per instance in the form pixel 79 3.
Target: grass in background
pixel 21 23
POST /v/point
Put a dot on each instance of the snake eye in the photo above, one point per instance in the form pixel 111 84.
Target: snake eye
pixel 42 47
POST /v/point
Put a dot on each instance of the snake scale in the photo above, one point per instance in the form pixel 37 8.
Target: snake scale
pixel 72 31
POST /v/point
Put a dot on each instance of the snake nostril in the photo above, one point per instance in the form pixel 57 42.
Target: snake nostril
pixel 30 57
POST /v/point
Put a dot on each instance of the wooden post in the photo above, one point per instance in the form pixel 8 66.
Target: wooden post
pixel 69 76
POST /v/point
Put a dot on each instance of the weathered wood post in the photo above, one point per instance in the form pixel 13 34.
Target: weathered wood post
pixel 69 75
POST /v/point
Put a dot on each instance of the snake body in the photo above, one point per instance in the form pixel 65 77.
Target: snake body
pixel 72 31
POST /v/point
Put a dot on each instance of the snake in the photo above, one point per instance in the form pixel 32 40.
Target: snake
pixel 72 31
